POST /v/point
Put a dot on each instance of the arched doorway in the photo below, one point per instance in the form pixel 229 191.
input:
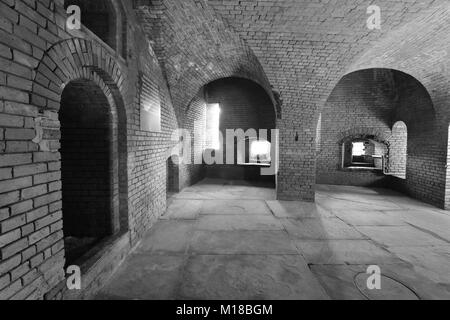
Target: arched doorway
pixel 243 113
pixel 88 152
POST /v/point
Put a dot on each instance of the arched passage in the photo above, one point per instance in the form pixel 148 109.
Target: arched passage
pixel 239 104
pixel 364 103
pixel 88 200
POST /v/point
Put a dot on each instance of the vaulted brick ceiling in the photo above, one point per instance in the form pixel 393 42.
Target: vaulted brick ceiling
pixel 307 45
pixel 303 46
pixel 195 47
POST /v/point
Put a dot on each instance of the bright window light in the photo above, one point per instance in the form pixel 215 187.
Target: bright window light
pixel 358 149
pixel 212 126
pixel 260 150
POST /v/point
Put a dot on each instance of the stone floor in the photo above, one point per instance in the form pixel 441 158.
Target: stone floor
pixel 231 240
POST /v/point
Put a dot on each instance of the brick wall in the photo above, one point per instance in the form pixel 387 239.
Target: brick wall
pixel 39 57
pixel 195 123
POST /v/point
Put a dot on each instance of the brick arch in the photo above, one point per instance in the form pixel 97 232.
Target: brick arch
pixel 191 62
pixel 71 59
pixel 263 86
pixel 80 59
pixel 427 137
pixel 426 88
pixel 419 48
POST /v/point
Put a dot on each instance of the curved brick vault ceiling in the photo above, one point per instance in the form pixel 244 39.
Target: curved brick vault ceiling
pixel 195 47
pixel 423 54
pixel 305 46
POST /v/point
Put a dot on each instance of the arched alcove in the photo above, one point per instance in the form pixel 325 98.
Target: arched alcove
pixel 88 199
pixel 398 150
pixel 366 102
pixel 245 108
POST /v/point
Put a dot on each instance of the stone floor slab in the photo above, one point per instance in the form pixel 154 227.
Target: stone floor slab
pixel 431 262
pixel 368 218
pixel 344 252
pixel 238 222
pixel 428 220
pixel 400 236
pixel 297 209
pixel 398 282
pixel 145 277
pixel 338 281
pixel 171 236
pixel 242 277
pixel 241 242
pixel 235 207
pixel 183 209
pixel 320 229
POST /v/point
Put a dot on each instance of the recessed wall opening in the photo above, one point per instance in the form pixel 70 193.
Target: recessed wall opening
pixel 398 150
pixel 172 171
pixel 260 152
pixel 86 167
pixel 361 108
pixel 363 154
pixel 98 16
pixel 106 19
pixel 213 126
pixel 243 107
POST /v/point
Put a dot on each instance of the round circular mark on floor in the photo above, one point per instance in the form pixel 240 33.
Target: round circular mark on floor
pixel 391 289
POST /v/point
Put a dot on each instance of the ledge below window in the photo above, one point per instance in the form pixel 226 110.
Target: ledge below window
pixel 255 164
pixel 370 169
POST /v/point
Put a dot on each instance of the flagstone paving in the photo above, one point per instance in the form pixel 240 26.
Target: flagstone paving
pixel 233 240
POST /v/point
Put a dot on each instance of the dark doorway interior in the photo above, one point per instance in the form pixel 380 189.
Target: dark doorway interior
pixel 86 167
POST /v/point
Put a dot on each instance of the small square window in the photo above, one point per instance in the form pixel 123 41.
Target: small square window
pixel 358 149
